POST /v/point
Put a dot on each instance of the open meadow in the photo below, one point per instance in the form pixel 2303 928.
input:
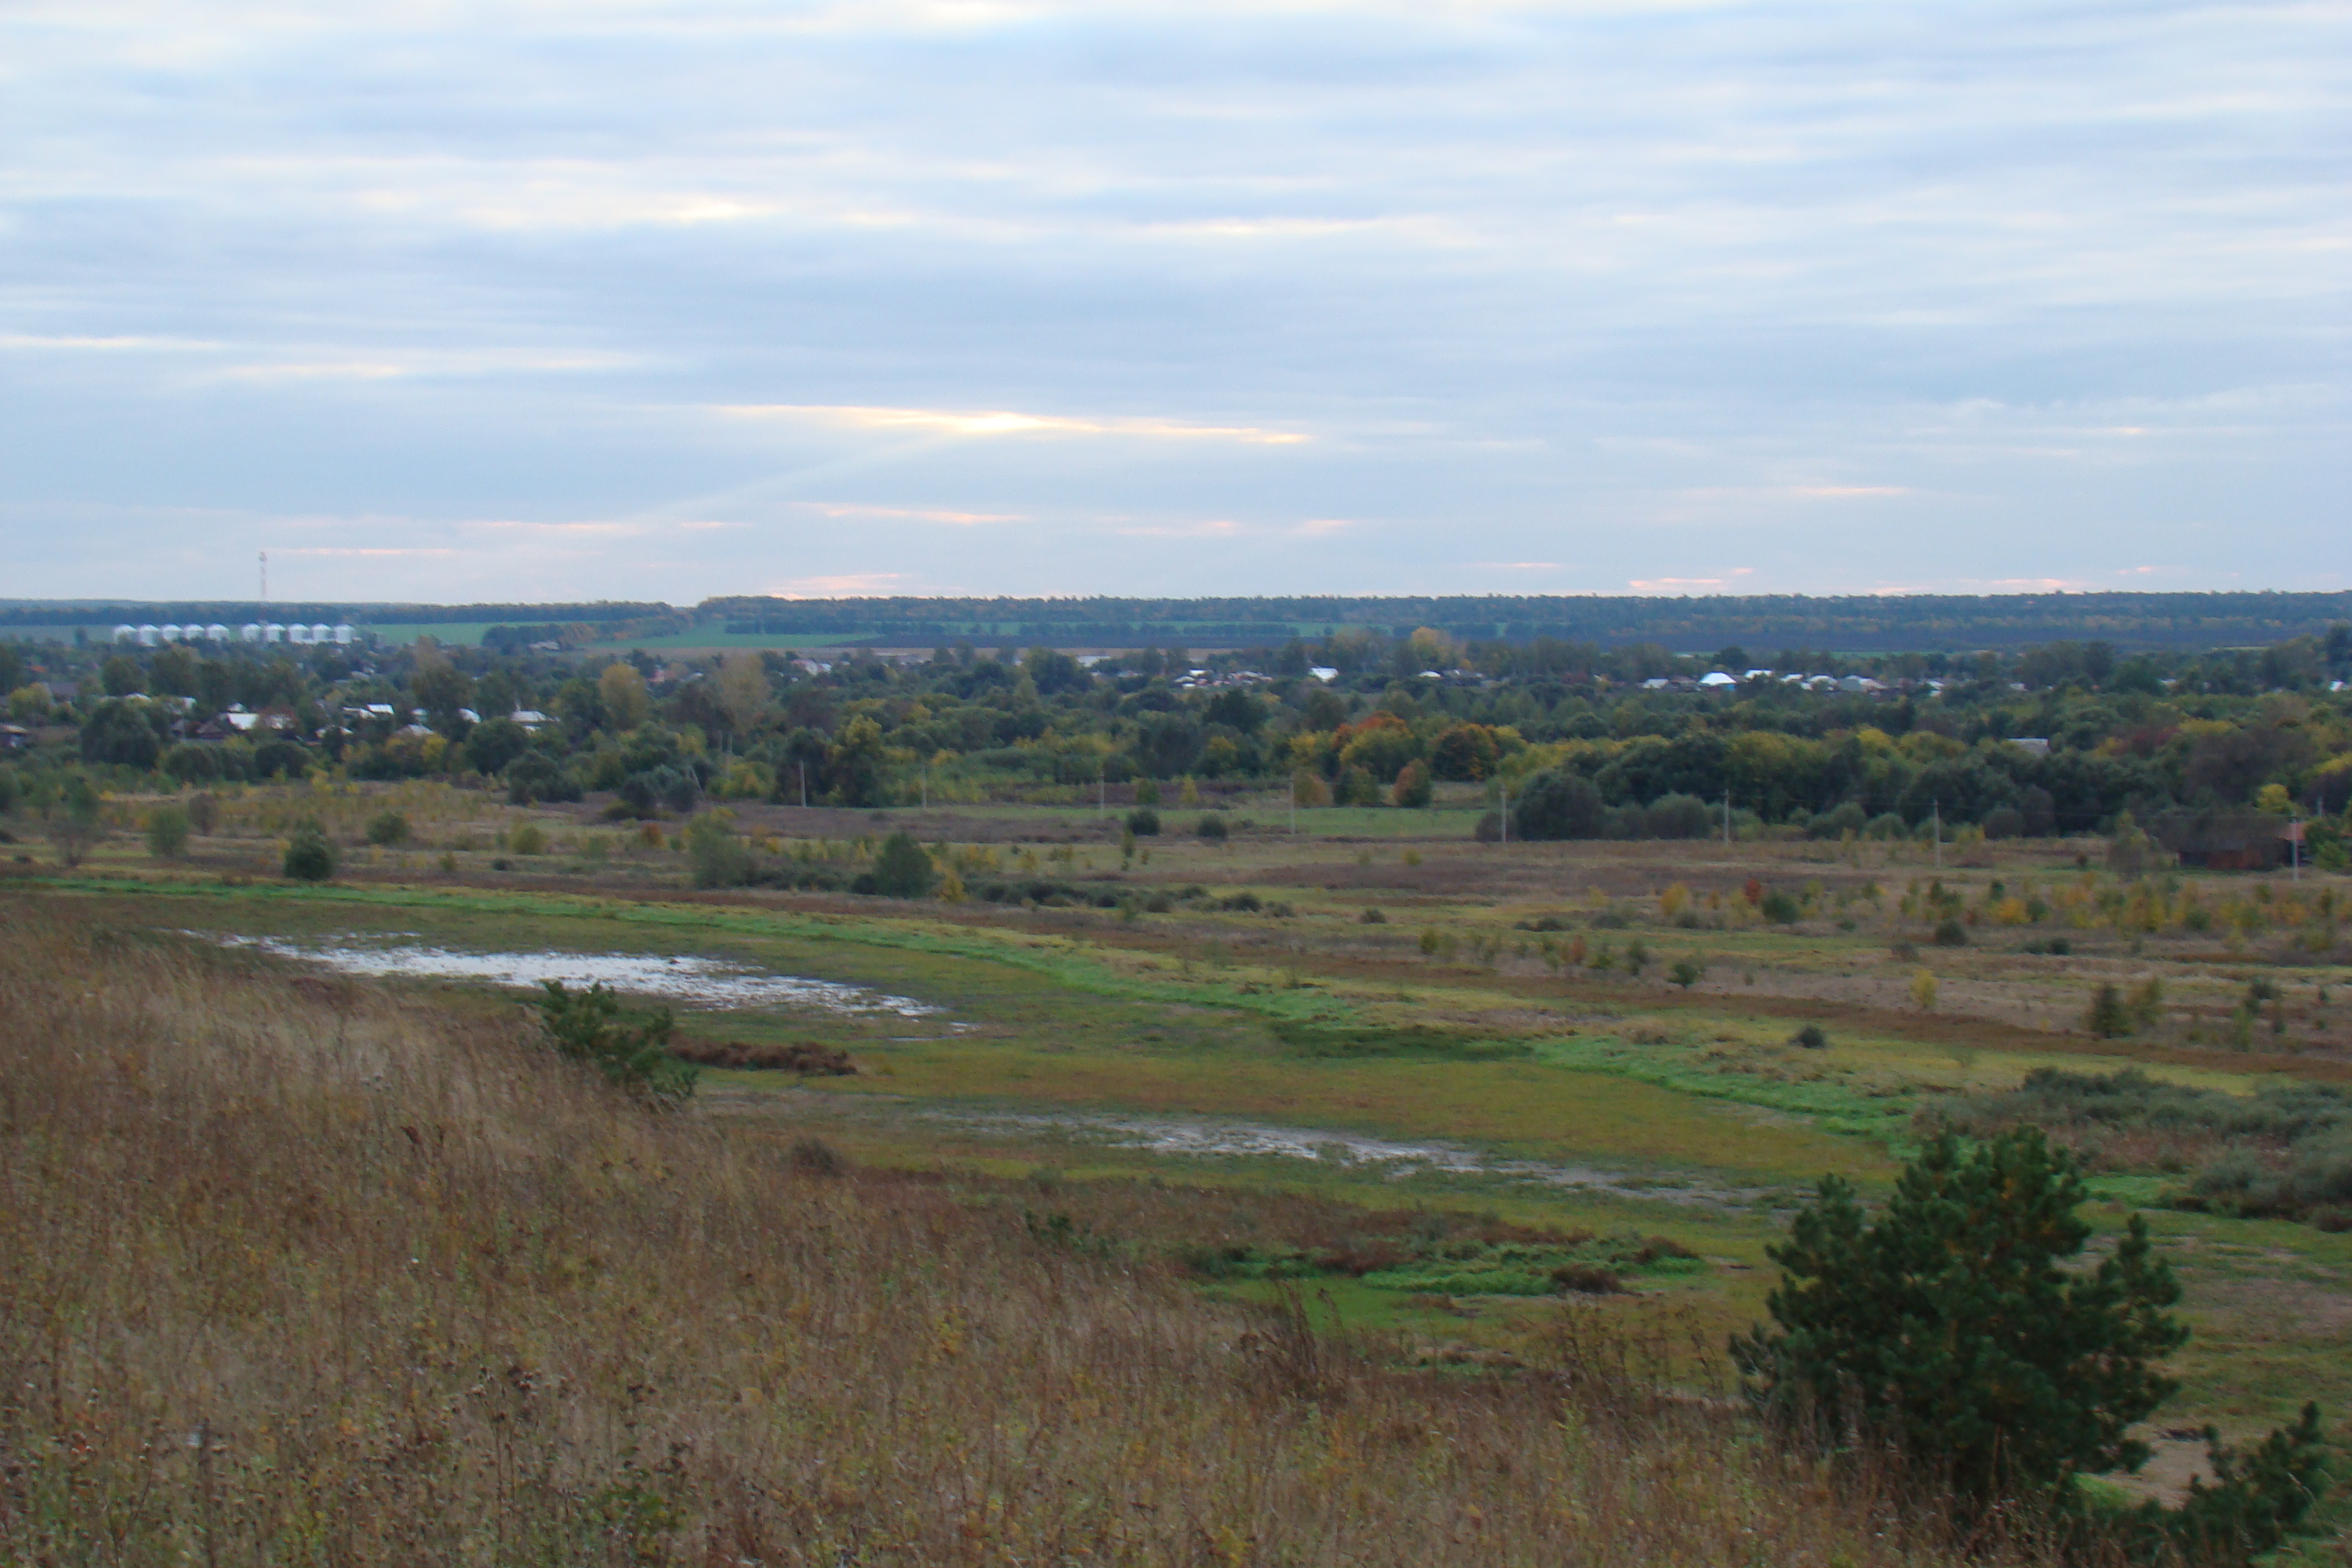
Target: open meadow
pixel 1455 1113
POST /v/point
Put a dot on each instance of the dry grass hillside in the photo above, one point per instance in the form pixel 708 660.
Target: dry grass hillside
pixel 299 1272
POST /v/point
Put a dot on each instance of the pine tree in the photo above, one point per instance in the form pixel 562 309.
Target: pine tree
pixel 1949 1326
pixel 2109 1018
pixel 901 870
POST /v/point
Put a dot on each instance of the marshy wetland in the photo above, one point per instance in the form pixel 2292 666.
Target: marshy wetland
pixel 1441 1092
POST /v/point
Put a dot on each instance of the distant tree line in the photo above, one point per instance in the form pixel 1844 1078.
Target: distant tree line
pixel 1573 739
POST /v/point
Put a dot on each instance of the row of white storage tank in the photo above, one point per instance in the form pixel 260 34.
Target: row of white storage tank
pixel 253 632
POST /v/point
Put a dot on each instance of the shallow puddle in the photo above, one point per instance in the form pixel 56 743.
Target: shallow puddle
pixel 1210 1138
pixel 698 981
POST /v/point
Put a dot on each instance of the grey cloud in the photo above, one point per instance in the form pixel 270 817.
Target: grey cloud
pixel 1619 288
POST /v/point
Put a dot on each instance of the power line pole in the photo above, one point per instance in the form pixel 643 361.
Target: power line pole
pixel 1727 819
pixel 1939 836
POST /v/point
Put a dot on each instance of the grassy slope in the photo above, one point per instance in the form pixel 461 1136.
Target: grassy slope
pixel 303 1271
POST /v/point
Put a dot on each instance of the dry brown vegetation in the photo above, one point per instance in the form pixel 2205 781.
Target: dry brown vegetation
pixel 304 1274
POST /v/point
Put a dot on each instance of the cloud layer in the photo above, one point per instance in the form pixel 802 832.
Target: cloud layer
pixel 640 300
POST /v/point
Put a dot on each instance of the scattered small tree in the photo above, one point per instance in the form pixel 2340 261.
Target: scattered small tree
pixel 495 742
pixel 622 692
pixel 2109 1018
pixel 1558 804
pixel 310 855
pixel 1143 822
pixel 2130 851
pixel 167 832
pixel 1923 990
pixel 1413 787
pixel 901 870
pixel 1212 828
pixel 1810 1039
pixel 387 828
pixel 716 856
pixel 79 821
pixel 1686 973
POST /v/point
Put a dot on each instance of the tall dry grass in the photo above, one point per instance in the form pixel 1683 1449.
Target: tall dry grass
pixel 299 1271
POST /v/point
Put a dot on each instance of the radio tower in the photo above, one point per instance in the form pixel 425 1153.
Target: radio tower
pixel 265 576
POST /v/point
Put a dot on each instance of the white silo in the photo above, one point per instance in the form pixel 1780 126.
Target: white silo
pixel 298 633
pixel 343 635
pixel 322 635
pixel 169 631
pixel 146 635
pixel 273 632
pixel 252 632
pixel 216 633
pixel 125 633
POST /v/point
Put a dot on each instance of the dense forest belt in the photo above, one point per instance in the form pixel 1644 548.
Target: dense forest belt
pixel 1859 623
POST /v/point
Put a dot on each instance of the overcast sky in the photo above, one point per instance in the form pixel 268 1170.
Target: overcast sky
pixel 614 298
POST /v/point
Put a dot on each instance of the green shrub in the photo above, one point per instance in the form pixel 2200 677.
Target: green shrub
pixel 494 743
pixel 902 870
pixel 1143 822
pixel 527 839
pixel 387 828
pixel 310 855
pixel 1811 1038
pixel 536 776
pixel 1413 787
pixel 1677 817
pixel 631 1049
pixel 1950 932
pixel 1686 973
pixel 1780 907
pixel 1558 804
pixel 1212 828
pixel 717 858
pixel 167 832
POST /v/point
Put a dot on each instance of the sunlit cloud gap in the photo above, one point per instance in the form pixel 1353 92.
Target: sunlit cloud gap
pixel 950 422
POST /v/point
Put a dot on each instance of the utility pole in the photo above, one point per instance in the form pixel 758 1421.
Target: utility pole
pixel 1503 817
pixel 1939 836
pixel 2295 844
pixel 1294 803
pixel 803 768
pixel 1727 819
